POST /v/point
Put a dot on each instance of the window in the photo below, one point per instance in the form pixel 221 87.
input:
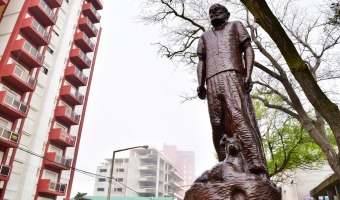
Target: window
pixel 103 170
pixel 100 189
pixel 49 50
pixel 44 70
pixel 119 170
pixel 101 179
pixel 118 189
pixel 119 179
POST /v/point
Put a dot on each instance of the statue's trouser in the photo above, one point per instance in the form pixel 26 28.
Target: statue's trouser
pixel 229 114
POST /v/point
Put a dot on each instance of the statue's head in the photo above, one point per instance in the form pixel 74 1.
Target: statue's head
pixel 233 145
pixel 218 14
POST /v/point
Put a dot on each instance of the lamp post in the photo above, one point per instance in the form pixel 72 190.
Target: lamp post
pixel 112 164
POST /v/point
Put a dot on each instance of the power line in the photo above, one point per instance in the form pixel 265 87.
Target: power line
pixel 78 170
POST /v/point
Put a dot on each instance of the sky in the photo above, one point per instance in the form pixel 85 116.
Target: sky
pixel 135 98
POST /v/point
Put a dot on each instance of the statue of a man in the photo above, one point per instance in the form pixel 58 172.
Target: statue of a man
pixel 225 65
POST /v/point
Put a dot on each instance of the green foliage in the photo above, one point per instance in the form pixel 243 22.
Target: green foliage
pixel 286 144
pixel 81 196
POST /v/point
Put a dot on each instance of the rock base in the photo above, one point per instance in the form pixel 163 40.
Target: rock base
pixel 242 186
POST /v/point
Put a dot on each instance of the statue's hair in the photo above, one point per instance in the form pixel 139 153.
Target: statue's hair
pixel 222 7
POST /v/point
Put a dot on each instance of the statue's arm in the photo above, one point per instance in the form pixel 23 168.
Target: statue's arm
pixel 248 55
pixel 249 63
pixel 201 71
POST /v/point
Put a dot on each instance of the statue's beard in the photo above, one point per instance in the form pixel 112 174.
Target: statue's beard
pixel 216 22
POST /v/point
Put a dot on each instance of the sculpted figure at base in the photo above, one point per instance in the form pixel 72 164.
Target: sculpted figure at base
pixel 224 71
pixel 231 180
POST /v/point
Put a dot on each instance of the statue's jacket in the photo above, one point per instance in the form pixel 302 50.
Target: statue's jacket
pixel 221 50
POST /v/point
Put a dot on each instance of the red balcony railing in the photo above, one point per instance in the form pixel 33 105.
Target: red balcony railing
pixel 52 188
pixel 43 12
pixel 71 95
pixel 57 162
pixel 91 13
pixel 12 107
pixel 79 58
pixel 66 115
pixel 32 29
pixel 3 2
pixel 75 76
pixel 86 25
pixel 5 170
pixel 26 54
pixel 98 4
pixel 8 138
pixel 18 77
pixel 84 42
pixel 54 3
pixel 61 138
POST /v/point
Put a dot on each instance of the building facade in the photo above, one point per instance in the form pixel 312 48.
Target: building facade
pixel 146 173
pixel 300 182
pixel 47 55
pixel 184 162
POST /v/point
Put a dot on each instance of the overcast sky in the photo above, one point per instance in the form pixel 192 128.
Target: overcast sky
pixel 135 98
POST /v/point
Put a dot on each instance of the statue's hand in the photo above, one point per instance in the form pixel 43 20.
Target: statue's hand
pixel 201 92
pixel 248 84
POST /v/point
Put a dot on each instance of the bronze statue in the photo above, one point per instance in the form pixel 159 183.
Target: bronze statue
pixel 222 50
pixel 225 66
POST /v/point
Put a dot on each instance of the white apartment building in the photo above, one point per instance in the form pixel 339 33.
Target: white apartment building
pixel 300 182
pixel 47 56
pixel 146 173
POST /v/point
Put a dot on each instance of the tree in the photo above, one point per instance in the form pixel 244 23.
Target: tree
pixel 296 57
pixel 286 143
pixel 81 196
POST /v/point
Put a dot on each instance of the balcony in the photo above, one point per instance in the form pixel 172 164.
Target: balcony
pixel 5 170
pixel 49 187
pixel 26 54
pixel 57 162
pixel 8 138
pixel 66 115
pixel 12 107
pixel 19 78
pixel 90 12
pixel 79 59
pixel 84 42
pixel 71 95
pixel 147 178
pixel 98 4
pixel 3 2
pixel 146 189
pixel 54 3
pixel 61 138
pixel 148 167
pixel 86 25
pixel 174 173
pixel 32 29
pixel 75 76
pixel 42 12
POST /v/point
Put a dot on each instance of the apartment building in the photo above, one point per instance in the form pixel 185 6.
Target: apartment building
pixel 146 173
pixel 47 57
pixel 184 162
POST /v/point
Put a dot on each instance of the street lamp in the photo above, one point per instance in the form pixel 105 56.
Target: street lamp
pixel 112 164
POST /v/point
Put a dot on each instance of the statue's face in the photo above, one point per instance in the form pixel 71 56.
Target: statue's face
pixel 217 15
